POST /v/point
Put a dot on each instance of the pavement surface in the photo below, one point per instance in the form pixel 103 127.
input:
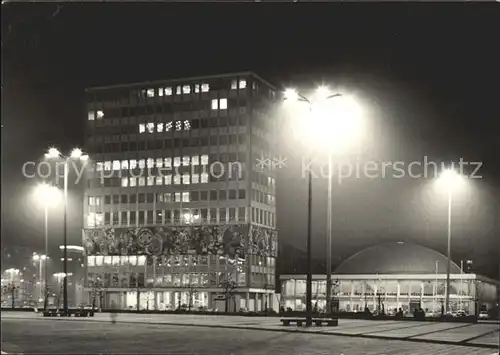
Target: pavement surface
pixel 29 333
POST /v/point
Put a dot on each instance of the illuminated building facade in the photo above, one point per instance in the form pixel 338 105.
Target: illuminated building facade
pixel 393 276
pixel 175 206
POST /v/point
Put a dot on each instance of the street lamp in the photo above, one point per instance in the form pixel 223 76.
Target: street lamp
pixel 48 195
pixel 334 124
pixel 76 154
pixel 450 180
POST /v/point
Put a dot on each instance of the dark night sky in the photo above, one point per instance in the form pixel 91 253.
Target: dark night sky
pixel 430 72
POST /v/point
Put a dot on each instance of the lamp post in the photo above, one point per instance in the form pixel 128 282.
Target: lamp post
pixel 292 95
pixel 450 178
pixel 76 153
pixel 48 195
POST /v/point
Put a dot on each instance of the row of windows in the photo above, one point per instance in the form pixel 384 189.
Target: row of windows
pixel 178 90
pixel 151 163
pixel 166 180
pixel 168 197
pixel 196 109
pixel 186 89
pixel 168 126
pixel 178 260
pixel 160 144
pixel 169 216
pixel 183 216
pixel 185 179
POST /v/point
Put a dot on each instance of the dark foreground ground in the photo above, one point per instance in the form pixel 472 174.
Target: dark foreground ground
pixel 31 336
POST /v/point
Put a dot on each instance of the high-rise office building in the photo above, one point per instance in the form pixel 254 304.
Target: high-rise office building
pixel 177 211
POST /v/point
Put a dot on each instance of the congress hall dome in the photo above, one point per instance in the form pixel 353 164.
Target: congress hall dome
pixel 396 258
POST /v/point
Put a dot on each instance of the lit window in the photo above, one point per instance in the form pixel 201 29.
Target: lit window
pixel 151 162
pixel 177 197
pixel 91 260
pixel 168 91
pixel 195 178
pixel 91 220
pixel 159 180
pixel 124 164
pixel 243 83
pixel 177 179
pixel 185 179
pixel 196 88
pixel 142 128
pixel 195 160
pixel 187 125
pixel 142 163
pixel 204 178
pixel 159 127
pixel 91 201
pixel 133 181
pixel 185 160
pixel 151 92
pixel 168 180
pixel 99 219
pixel 133 164
pixel 234 84
pixel 168 126
pixel 204 159
pixel 205 87
pixel 185 196
pixel 98 200
pixel 107 165
pixel 141 260
pixel 133 260
pixel 124 182
pixel 151 127
pixel 215 104
pixel 168 162
pixel 143 93
pixel 178 126
pixel 159 162
pixel 160 92
pixel 142 181
pixel 99 166
pixel 177 161
pixel 223 104
pixel 151 180
pixel 116 165
pixel 91 115
pixel 100 114
pixel 186 89
pixel 178 90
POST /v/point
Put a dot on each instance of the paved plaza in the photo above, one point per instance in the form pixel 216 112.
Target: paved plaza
pixel 192 334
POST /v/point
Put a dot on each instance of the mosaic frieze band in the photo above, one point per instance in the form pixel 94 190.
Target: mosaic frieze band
pixel 232 240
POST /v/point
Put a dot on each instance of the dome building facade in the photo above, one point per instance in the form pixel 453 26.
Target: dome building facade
pixel 390 276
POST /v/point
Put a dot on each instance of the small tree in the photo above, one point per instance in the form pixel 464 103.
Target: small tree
pixel 11 289
pixel 229 287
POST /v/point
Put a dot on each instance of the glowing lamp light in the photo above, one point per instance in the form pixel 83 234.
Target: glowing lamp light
pixel 47 194
pixel 291 95
pixel 53 153
pixel 323 91
pixel 337 123
pixel 36 257
pixel 84 157
pixel 76 153
pixel 450 179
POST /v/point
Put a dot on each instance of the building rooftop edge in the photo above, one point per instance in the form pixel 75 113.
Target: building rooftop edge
pixel 464 276
pixel 175 80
